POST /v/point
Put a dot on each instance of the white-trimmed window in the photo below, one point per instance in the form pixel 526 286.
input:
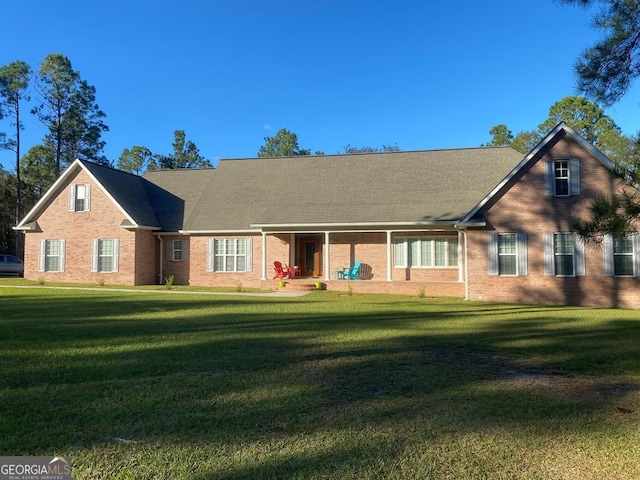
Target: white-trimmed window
pixel 622 255
pixel 418 252
pixel 229 255
pixel 508 254
pixel 177 250
pixel 104 255
pixel 51 258
pixel 562 177
pixel 80 198
pixel 563 255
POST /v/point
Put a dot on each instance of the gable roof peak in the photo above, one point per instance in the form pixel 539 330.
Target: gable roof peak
pixel 533 155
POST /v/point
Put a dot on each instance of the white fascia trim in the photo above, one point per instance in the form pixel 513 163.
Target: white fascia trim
pixel 217 232
pixel 377 225
pixel 543 143
pixel 166 234
pixel 104 190
pixel 29 227
pixel 465 225
pixel 139 227
pixel 54 188
pixel 49 193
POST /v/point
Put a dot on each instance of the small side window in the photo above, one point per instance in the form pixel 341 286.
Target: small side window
pixel 178 251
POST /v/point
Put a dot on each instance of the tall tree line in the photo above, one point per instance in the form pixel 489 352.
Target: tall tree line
pixel 66 105
pixel 185 154
pixel 605 72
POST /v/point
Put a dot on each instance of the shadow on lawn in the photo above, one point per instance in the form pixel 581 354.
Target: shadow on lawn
pixel 79 371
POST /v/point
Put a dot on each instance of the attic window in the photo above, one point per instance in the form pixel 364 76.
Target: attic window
pixel 561 171
pixel 562 178
pixel 80 198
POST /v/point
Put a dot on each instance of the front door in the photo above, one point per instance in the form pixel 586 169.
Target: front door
pixel 311 256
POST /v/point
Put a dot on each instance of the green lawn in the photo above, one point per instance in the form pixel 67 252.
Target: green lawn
pixel 154 386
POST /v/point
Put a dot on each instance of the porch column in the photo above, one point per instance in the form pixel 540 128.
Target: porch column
pixel 389 257
pixel 264 256
pixel 461 263
pixel 327 263
pixel 462 235
pixel 292 249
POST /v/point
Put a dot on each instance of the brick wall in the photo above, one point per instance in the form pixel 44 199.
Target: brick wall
pixel 345 249
pixel 78 229
pixel 147 245
pixel 368 248
pixel 198 274
pixel 525 208
pixel 180 269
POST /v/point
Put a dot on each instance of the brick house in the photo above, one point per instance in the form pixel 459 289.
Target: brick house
pixel 477 223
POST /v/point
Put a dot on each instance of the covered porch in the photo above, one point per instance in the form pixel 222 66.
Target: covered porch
pixel 388 258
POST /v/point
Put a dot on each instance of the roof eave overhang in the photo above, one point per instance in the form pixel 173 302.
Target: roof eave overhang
pixel 323 227
pixel 48 194
pixel 357 226
pixel 27 227
pixel 127 224
pixel 140 227
pixel 76 164
pixel 215 232
pixel 466 225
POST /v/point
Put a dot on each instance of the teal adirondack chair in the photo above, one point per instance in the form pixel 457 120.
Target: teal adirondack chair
pixel 352 273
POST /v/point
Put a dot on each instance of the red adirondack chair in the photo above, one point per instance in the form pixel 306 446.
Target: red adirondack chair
pixel 281 272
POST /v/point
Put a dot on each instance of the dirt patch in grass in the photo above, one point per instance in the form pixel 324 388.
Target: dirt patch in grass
pixel 363 374
pixel 571 387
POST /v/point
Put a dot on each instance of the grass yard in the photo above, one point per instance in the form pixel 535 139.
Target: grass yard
pixel 154 386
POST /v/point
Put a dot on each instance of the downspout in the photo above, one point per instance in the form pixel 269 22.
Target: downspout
pixel 161 276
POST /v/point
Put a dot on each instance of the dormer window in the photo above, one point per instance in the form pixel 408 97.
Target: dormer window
pixel 80 198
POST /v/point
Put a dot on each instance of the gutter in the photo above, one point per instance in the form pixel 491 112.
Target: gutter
pixel 196 232
pixel 361 225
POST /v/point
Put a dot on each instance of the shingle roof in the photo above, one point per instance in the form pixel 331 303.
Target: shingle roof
pixel 176 194
pixel 395 187
pixel 129 191
pixel 422 187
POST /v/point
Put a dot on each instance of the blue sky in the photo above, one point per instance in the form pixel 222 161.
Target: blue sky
pixel 335 72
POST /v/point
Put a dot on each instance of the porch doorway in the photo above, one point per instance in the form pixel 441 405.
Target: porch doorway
pixel 309 255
